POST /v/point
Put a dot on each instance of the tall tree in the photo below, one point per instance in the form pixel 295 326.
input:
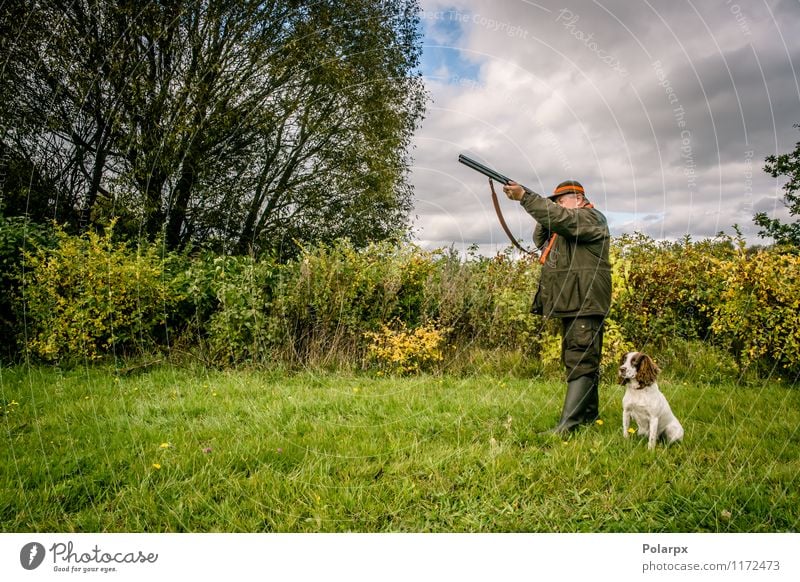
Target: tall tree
pixel 248 123
pixel 784 165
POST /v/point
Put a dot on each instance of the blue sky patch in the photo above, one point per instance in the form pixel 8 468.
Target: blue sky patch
pixel 442 57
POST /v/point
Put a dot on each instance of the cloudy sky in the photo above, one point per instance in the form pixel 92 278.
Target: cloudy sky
pixel 664 110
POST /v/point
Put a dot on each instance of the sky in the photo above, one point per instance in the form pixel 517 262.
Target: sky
pixel 663 110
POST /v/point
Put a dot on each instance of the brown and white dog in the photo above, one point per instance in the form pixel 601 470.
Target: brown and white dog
pixel 644 402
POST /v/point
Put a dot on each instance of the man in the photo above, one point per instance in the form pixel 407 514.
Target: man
pixel 574 286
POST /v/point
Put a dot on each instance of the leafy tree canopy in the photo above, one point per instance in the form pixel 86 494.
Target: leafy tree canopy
pixel 241 124
pixel 784 165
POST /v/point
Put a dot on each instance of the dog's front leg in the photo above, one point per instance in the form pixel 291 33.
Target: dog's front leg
pixel 626 422
pixel 651 442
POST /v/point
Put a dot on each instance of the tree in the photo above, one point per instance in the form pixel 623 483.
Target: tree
pixel 784 165
pixel 242 123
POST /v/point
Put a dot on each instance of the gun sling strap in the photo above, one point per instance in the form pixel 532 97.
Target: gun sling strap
pixel 502 220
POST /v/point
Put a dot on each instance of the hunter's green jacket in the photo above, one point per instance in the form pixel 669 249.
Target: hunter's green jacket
pixel 576 273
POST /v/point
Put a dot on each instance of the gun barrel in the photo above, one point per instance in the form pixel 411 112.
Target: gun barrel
pixel 487 171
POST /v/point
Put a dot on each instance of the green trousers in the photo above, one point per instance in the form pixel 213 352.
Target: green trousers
pixel 582 346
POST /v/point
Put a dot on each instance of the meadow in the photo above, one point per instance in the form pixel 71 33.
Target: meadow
pixel 188 448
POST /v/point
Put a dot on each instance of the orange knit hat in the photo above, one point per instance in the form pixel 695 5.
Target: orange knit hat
pixel 567 187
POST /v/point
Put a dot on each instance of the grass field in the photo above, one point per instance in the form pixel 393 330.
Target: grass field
pixel 173 449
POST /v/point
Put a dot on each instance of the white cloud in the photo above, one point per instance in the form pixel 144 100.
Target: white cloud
pixel 544 95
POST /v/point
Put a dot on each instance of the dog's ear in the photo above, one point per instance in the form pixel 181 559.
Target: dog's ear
pixel 646 370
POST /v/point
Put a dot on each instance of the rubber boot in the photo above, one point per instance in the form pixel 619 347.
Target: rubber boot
pixel 592 411
pixel 580 405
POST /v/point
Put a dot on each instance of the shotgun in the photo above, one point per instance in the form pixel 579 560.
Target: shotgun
pixel 487 171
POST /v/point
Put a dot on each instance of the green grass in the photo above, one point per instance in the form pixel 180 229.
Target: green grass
pixel 192 450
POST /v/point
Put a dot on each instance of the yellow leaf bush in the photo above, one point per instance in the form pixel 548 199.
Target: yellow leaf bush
pixel 758 317
pixel 407 351
pixel 90 296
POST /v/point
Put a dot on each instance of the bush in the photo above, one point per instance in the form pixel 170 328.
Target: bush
pixel 485 301
pixel 89 296
pixel 17 234
pixel 397 305
pixel 667 290
pixel 710 290
pixel 332 297
pixel 404 351
pixel 321 307
pixel 327 298
pixel 238 329
pixel 758 317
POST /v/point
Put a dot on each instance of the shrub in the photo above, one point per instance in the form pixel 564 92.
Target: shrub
pixel 329 296
pixel 615 345
pixel 710 290
pixel 90 296
pixel 486 301
pixel 666 290
pixel 758 317
pixel 239 328
pixel 404 351
pixel 17 234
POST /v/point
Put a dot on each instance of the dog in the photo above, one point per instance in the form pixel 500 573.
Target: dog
pixel 645 403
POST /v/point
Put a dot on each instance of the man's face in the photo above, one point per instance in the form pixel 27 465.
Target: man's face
pixel 570 200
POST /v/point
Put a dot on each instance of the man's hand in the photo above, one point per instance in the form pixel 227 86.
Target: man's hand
pixel 513 190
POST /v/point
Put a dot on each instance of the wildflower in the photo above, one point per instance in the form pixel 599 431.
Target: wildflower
pixel 599 422
pixel 156 466
pixel 631 430
pixel 164 446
